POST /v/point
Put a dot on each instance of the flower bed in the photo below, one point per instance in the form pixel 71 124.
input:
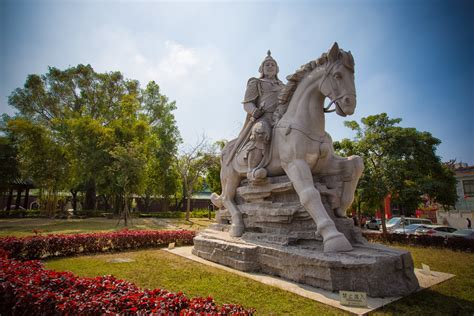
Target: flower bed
pixel 454 243
pixel 38 247
pixel 26 288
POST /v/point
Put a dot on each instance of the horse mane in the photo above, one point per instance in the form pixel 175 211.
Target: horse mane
pixel 287 92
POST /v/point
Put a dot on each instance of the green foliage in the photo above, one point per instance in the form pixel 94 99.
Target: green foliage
pixel 398 161
pixel 9 169
pixel 39 155
pixel 193 165
pixel 163 177
pixel 94 132
pixel 213 178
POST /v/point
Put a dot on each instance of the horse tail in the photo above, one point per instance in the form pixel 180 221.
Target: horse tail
pixel 227 150
pixel 217 200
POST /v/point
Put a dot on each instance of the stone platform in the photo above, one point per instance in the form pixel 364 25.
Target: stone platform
pixel 375 269
pixel 281 239
pixel 426 279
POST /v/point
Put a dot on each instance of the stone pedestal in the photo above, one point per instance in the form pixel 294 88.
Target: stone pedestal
pixel 280 239
pixel 377 270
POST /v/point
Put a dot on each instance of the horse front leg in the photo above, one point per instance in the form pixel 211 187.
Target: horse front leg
pixel 300 175
pixel 227 198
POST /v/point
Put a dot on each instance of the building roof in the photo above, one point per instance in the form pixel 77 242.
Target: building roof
pixel 20 183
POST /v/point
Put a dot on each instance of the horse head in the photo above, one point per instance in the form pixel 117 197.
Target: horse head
pixel 337 82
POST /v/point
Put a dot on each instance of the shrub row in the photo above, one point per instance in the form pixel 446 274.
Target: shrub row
pixel 26 288
pixel 19 213
pixel 38 247
pixel 198 213
pixel 454 243
pixel 90 213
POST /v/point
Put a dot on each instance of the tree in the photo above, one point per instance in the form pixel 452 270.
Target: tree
pixel 41 159
pixel 398 161
pixel 9 169
pixel 162 177
pixel 129 167
pixel 89 115
pixel 213 178
pixel 192 165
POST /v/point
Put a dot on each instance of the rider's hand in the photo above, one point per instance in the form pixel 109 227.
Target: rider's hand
pixel 257 113
pixel 276 118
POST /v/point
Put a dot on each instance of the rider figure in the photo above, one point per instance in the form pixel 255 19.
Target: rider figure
pixel 260 103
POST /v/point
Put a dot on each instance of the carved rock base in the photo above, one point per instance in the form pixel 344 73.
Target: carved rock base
pixel 375 269
pixel 280 238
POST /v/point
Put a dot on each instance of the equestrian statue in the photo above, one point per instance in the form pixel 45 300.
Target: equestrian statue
pixel 284 133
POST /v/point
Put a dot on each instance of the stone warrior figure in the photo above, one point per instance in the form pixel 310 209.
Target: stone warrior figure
pixel 260 103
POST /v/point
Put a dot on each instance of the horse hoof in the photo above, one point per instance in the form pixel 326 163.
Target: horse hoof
pixel 260 173
pixel 338 243
pixel 217 200
pixel 340 212
pixel 236 231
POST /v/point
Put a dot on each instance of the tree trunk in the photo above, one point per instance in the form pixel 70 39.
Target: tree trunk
pixel 125 212
pixel 25 202
pixel 176 204
pixel 90 195
pixel 10 200
pixel 118 204
pixel 74 199
pixel 106 202
pixel 18 199
pixel 147 202
pixel 166 204
pixel 382 218
pixel 188 205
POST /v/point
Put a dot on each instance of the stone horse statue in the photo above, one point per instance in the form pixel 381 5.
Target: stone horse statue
pixel 300 146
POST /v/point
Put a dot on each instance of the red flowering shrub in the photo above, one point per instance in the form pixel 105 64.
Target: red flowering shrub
pixel 26 288
pixel 37 247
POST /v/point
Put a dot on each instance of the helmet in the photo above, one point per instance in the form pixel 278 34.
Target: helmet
pixel 268 58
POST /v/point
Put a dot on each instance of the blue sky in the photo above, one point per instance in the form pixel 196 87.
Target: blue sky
pixel 414 59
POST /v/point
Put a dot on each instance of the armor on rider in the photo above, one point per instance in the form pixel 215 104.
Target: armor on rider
pixel 260 103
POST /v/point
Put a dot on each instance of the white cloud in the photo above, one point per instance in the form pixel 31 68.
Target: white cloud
pixel 139 59
pixel 179 61
pixel 202 83
pixel 199 78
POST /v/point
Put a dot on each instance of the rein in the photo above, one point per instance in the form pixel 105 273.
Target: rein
pixel 327 109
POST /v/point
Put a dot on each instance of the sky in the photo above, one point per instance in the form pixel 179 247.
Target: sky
pixel 414 59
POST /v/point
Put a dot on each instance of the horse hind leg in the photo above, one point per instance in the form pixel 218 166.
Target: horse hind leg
pixel 300 175
pixel 353 167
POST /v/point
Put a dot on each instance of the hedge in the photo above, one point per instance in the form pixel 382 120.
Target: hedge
pixel 26 288
pixel 454 243
pixel 198 213
pixel 19 213
pixel 38 247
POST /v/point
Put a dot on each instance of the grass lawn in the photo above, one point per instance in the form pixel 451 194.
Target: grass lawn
pixel 25 226
pixel 160 269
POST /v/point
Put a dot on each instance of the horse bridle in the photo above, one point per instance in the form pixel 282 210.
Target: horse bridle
pixel 328 109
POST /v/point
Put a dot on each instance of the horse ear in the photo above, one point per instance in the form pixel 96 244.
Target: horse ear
pixel 333 54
